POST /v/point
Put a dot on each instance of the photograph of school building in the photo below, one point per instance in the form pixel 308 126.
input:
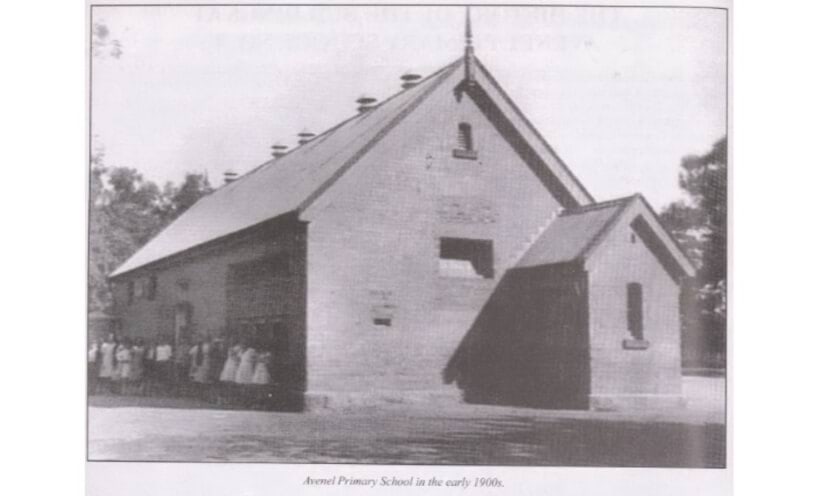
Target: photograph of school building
pixel 432 244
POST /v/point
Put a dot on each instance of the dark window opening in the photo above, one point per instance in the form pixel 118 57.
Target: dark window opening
pixel 470 258
pixel 274 266
pixel 633 237
pixel 635 311
pixel 152 284
pixel 131 291
pixel 465 142
pixel 380 321
pixel 464 137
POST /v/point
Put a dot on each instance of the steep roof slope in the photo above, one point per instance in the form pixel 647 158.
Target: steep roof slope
pixel 293 182
pixel 577 232
pixel 573 233
pixel 284 185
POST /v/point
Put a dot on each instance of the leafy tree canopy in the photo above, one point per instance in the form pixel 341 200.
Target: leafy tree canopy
pixel 699 223
pixel 126 211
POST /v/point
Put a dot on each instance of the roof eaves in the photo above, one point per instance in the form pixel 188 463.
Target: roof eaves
pixel 649 208
pixel 596 206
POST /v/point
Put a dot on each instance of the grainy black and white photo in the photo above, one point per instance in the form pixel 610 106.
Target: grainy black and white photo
pixel 408 235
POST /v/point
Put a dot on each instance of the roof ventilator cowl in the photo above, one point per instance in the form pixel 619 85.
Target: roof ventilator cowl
pixel 409 79
pixel 305 136
pixel 366 103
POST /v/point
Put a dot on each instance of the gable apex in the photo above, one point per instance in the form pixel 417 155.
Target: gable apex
pixel 552 161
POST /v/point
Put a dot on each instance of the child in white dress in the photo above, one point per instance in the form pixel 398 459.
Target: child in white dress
pixel 231 365
pixel 107 350
pixel 123 371
pixel 261 375
pixel 228 375
pixel 247 365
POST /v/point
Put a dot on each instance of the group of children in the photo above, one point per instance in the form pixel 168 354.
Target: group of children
pixel 206 369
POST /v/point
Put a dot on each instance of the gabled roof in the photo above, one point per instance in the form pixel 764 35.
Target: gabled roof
pixel 286 184
pixel 293 182
pixel 576 233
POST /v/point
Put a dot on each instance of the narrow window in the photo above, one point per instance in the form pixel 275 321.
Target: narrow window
pixel 131 291
pixel 152 284
pixel 635 318
pixel 465 142
pixel 382 321
pixel 464 137
pixel 468 258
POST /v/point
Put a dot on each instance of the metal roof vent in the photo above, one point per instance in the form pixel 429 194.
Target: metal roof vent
pixel 305 136
pixel 279 150
pixel 410 79
pixel 230 176
pixel 365 103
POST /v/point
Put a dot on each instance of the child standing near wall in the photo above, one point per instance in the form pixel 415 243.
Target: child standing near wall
pixel 122 374
pixel 138 367
pixel 227 378
pixel 163 365
pixel 108 363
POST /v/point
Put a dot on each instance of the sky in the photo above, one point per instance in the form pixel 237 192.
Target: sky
pixel 622 94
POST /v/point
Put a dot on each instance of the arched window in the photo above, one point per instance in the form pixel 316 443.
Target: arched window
pixel 464 137
pixel 635 311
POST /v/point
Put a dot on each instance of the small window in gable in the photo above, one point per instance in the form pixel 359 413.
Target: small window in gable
pixel 382 321
pixel 465 142
pixel 635 311
pixel 464 137
pixel 467 258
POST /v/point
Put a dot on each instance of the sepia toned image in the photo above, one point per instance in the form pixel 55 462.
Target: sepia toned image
pixel 421 235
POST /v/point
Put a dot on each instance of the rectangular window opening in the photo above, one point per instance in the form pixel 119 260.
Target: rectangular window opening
pixel 467 258
pixel 382 321
pixel 152 284
pixel 465 142
pixel 635 311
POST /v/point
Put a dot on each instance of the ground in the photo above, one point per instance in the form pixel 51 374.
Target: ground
pixel 415 433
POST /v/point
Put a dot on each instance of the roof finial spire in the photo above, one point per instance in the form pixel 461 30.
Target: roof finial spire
pixel 469 55
pixel 468 27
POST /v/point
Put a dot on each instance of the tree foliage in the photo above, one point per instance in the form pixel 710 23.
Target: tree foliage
pixel 699 223
pixel 126 211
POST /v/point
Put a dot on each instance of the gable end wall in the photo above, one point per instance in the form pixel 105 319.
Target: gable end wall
pixel 373 248
pixel 620 376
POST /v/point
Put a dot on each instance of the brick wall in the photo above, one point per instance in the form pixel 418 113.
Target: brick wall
pixel 632 376
pixel 200 280
pixel 529 344
pixel 373 249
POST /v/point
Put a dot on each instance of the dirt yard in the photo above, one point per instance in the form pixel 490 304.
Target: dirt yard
pixel 122 428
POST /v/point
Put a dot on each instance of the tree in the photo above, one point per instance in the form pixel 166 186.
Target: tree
pixel 699 223
pixel 194 186
pixel 126 211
